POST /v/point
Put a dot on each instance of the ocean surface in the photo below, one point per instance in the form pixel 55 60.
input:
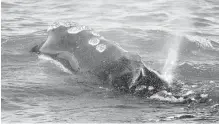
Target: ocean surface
pixel 178 38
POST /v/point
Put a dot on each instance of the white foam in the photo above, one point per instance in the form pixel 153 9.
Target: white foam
pixel 100 47
pixel 58 64
pixel 203 42
pixel 190 92
pixel 44 57
pixel 169 98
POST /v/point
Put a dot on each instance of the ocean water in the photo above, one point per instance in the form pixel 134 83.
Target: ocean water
pixel 179 39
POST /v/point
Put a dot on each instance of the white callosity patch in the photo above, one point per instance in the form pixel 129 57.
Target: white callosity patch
pixel 95 34
pixel 85 28
pixel 58 24
pixel 69 24
pixel 201 41
pixel 53 26
pixel 78 28
pixel 72 27
pixel 100 47
pixel 73 30
pixel 94 41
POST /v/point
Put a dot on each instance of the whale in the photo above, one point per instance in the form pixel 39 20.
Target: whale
pixel 81 49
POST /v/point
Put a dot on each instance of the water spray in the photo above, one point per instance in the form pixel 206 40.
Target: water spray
pixel 180 14
pixel 171 60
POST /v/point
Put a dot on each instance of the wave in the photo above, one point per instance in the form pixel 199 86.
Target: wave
pixel 8 5
pixel 153 17
pixel 195 70
pixel 58 64
pixel 202 42
pixel 207 20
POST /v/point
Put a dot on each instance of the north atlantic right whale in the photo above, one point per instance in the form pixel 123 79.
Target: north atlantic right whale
pixel 86 50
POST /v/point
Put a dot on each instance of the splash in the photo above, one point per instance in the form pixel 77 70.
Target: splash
pixel 166 96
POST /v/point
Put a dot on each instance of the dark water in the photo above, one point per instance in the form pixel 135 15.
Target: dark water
pixel 37 89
